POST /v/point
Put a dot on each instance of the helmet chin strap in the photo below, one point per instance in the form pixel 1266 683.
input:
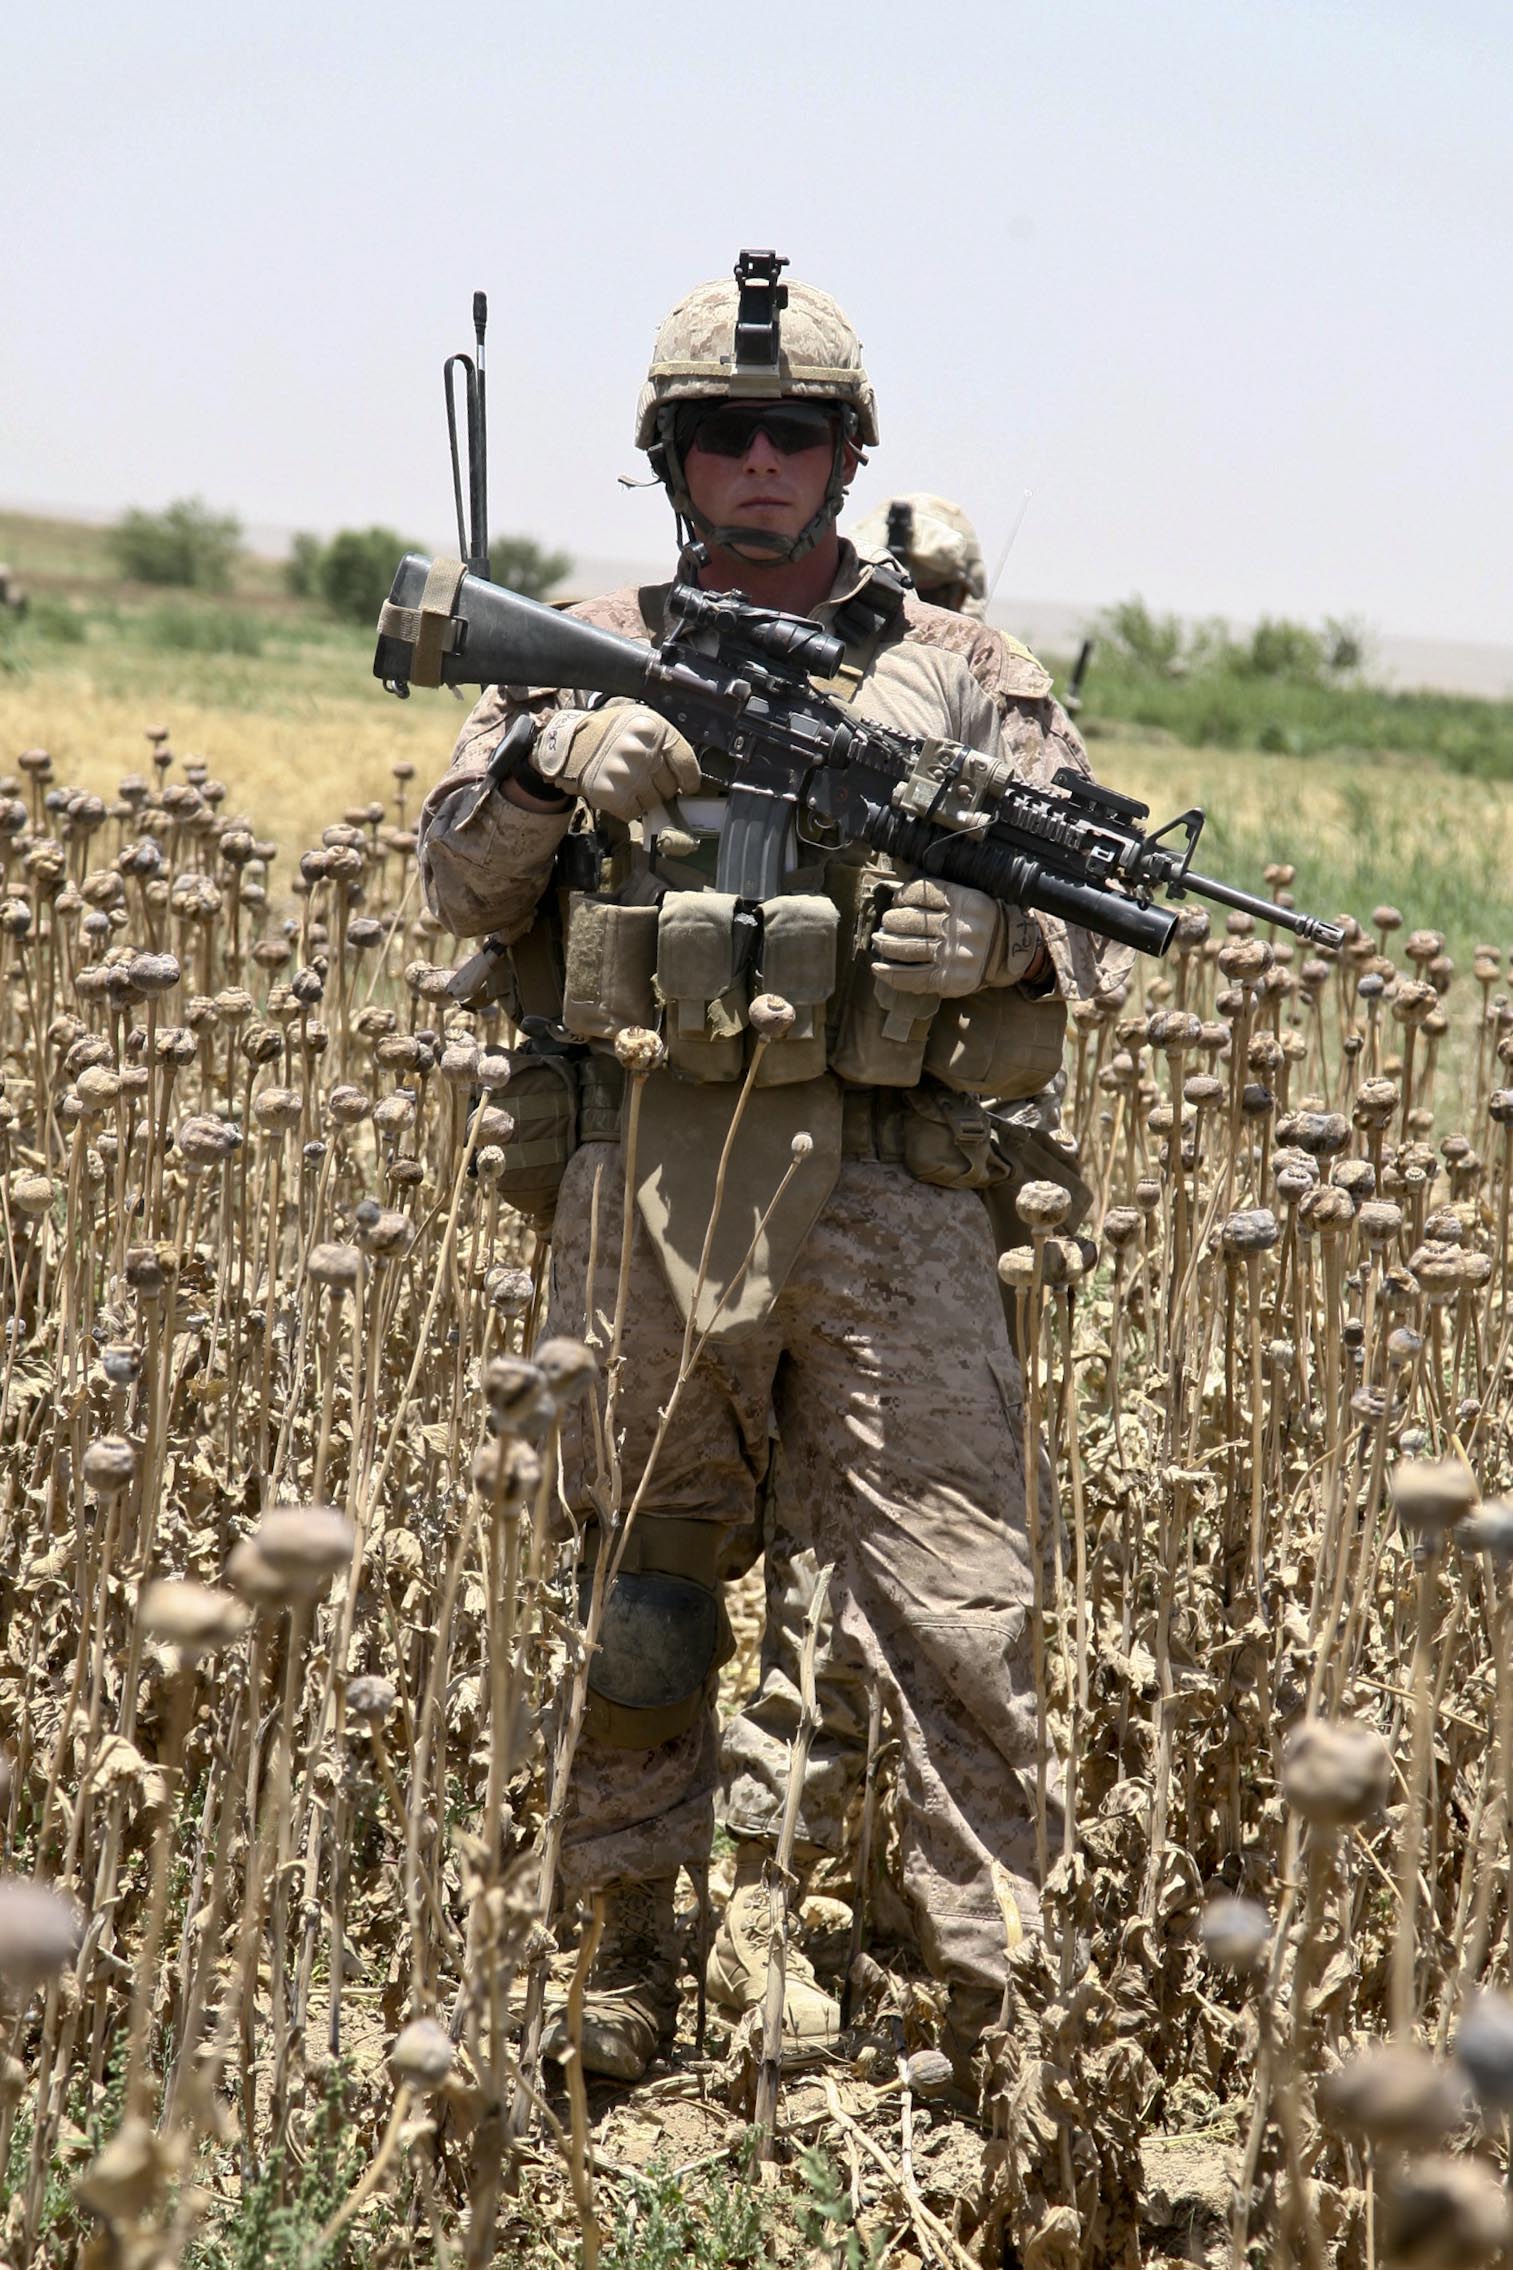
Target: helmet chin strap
pixel 758 547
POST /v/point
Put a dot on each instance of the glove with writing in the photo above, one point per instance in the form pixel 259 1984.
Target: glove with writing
pixel 623 760
pixel 946 940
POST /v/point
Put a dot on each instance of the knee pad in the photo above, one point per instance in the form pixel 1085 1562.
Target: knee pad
pixel 659 1644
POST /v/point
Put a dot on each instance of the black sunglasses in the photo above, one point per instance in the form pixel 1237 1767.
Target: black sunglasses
pixel 728 428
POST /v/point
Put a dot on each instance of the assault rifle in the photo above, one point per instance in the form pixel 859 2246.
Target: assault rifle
pixel 799 768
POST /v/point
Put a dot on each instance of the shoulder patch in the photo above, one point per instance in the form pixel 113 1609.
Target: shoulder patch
pixel 1001 666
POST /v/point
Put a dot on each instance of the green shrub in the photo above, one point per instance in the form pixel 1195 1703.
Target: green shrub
pixel 54 619
pixel 521 564
pixel 302 567
pixel 202 630
pixel 186 544
pixel 355 571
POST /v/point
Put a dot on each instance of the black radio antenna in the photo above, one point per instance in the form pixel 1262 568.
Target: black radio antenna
pixel 472 534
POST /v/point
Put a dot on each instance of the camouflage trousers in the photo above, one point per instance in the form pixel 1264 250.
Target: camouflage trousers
pixel 756 1744
pixel 886 1366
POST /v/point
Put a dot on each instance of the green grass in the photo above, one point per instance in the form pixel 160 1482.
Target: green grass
pixel 1222 709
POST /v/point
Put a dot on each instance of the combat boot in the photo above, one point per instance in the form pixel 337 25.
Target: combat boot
pixel 737 1972
pixel 631 2006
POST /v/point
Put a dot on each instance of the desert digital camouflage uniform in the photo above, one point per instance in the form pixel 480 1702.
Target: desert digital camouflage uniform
pixel 884 1357
pixel 942 553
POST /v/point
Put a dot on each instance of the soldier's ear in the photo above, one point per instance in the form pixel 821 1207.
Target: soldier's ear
pixel 851 459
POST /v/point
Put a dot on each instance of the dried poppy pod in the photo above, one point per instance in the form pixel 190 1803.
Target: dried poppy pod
pixel 509 1291
pixel 506 1470
pixel 388 1235
pixel 770 1016
pixel 347 1105
pixel 423 2055
pixel 98 1088
pixel 1245 960
pixel 1336 1772
pixel 153 974
pixel 491 1069
pixel 1121 1073
pixel 1016 1268
pixel 371 1698
pixel 1322 1134
pixel 1148 1193
pixel 1357 1177
pixel 109 1464
pixel 1250 1229
pixel 1483 2049
pixel 1326 1211
pixel 304 1546
pixel 458 1059
pixel 203 1142
pixel 196 1619
pixel 428 982
pixel 1394 2094
pixel 1193 926
pixel 121 1363
pixel 272 953
pixel 1421 946
pixel 1431 1494
pixel 1445 1226
pixel 337 1267
pixel 1413 1001
pixel 393 1114
pixel 1065 1260
pixel 252 1578
pixel 365 934
pixel 568 1366
pixel 1235 1933
pixel 1375 1102
pixel 41 1931
pixel 1173 1031
pixel 1121 1227
pixel 405 1174
pixel 491 1125
pixel 1387 919
pixel 638 1050
pixel 277 1110
pixel 31 1195
pixel 1488 1530
pixel 514 1391
pixel 1203 1090
pixel 1437 1270
pixel 397 1052
pixel 1042 1206
pixel 1441 2213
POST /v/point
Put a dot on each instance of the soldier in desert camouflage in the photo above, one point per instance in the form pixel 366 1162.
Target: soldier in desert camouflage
pixel 870 1327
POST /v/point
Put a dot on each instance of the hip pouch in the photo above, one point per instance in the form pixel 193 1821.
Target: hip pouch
pixel 999 1042
pixel 800 942
pixel 947 1140
pixel 611 965
pixel 542 1099
pixel 879 1032
pixel 700 983
pixel 1028 1154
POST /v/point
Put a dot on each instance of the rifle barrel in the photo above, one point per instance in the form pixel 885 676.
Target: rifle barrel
pixel 1312 928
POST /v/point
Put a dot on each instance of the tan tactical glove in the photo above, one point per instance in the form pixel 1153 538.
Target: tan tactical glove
pixel 623 760
pixel 943 939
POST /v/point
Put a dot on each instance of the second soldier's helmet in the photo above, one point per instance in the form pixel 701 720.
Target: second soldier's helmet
pixel 938 545
pixel 750 336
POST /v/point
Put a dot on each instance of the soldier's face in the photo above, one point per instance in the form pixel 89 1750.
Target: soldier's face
pixel 765 487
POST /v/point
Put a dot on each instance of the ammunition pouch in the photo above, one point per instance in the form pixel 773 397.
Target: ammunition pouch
pixel 1001 1042
pixel 800 941
pixel 542 1100
pixel 611 966
pixel 878 1034
pixel 663 1635
pixel 701 984
pixel 940 1138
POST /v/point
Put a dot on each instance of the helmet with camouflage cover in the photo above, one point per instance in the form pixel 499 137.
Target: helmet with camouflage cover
pixel 938 545
pixel 750 337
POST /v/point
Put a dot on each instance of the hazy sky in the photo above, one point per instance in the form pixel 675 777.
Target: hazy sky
pixel 1224 283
